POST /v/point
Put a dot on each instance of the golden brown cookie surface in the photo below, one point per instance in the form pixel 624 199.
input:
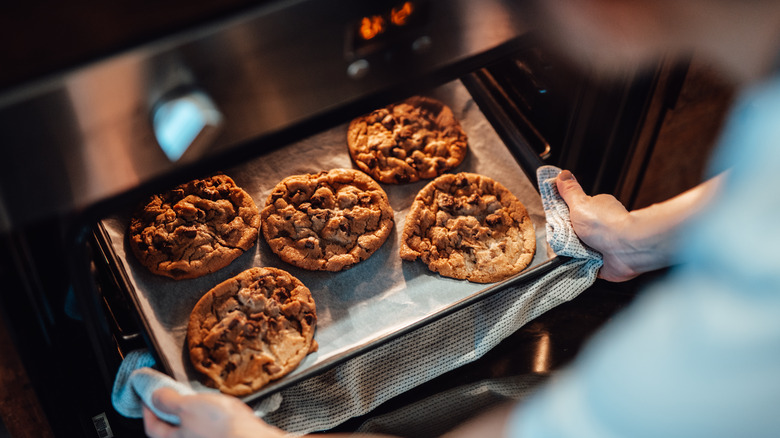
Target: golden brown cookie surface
pixel 418 138
pixel 251 329
pixel 194 229
pixel 469 227
pixel 327 221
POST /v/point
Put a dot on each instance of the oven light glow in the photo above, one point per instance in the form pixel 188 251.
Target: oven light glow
pixel 372 26
pixel 400 16
pixel 397 26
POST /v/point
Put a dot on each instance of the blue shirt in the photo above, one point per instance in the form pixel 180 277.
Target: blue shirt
pixel 698 353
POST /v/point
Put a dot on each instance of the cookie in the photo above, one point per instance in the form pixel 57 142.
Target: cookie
pixel 327 221
pixel 251 329
pixel 418 138
pixel 195 229
pixel 469 227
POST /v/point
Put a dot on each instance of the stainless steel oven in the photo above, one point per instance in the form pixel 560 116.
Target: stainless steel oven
pixel 86 110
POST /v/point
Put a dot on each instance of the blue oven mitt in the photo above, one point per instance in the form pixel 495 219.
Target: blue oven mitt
pixel 135 382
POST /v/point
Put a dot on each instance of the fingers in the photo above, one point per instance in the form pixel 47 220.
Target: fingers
pixel 569 189
pixel 156 428
pixel 167 400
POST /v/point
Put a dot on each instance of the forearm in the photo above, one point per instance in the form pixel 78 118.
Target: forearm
pixel 650 233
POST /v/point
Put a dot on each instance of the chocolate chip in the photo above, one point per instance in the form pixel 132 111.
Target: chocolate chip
pixel 446 202
pixel 282 294
pixel 251 330
pixel 493 220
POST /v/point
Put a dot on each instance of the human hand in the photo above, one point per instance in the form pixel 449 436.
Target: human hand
pixel 637 241
pixel 601 222
pixel 205 416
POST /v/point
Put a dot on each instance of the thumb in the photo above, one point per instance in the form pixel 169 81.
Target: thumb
pixel 569 189
pixel 167 400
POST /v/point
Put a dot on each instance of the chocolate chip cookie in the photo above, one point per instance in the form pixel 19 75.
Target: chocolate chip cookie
pixel 194 229
pixel 469 227
pixel 251 329
pixel 418 138
pixel 327 221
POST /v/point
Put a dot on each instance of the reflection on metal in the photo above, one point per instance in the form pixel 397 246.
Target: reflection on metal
pixel 185 122
pixel 545 154
pixel 358 69
pixel 542 354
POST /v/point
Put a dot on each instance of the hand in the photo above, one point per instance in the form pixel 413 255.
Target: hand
pixel 601 222
pixel 631 242
pixel 205 416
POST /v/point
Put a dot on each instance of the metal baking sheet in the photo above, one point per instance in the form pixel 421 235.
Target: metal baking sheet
pixel 358 308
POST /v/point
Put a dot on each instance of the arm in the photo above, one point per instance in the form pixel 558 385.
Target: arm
pixel 631 242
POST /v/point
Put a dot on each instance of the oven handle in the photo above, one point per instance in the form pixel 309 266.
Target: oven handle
pixel 531 152
pixel 84 289
pixel 108 352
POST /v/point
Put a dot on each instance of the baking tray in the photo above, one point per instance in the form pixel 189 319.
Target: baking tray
pixel 377 300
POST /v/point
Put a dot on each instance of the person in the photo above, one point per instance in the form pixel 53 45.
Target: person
pixel 698 352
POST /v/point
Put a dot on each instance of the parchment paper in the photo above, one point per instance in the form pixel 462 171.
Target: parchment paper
pixel 357 307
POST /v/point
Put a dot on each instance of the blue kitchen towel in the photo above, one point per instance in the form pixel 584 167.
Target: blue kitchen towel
pixel 560 234
pixel 135 382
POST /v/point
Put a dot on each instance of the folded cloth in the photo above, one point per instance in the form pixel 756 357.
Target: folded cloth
pixel 560 234
pixel 135 382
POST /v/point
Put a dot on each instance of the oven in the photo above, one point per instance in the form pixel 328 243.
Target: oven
pixel 85 112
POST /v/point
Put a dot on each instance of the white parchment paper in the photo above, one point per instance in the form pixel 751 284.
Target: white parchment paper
pixel 357 307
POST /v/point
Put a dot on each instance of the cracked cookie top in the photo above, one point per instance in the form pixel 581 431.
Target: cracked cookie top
pixel 469 227
pixel 251 329
pixel 418 138
pixel 327 221
pixel 194 229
